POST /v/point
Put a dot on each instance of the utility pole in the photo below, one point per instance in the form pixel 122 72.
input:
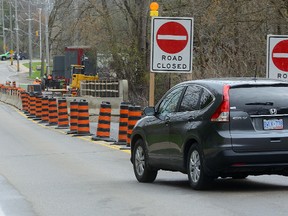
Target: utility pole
pixel 30 39
pixel 47 37
pixel 40 32
pixel 17 35
pixel 3 29
pixel 11 26
pixel 11 34
pixel 76 40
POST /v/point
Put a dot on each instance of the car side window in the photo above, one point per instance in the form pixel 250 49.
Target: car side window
pixel 191 97
pixel 206 99
pixel 170 101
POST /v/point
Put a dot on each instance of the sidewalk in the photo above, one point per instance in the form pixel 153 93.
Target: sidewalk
pixel 23 74
pixel 22 68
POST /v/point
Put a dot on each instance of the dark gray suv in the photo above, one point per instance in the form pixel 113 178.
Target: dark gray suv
pixel 214 128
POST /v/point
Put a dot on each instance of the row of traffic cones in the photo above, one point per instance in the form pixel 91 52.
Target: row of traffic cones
pixel 55 113
pixel 45 110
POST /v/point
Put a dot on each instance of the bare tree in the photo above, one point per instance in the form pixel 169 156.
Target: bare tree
pixel 229 36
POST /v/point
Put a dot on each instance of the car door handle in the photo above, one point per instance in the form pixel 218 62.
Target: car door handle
pixel 191 118
pixel 275 140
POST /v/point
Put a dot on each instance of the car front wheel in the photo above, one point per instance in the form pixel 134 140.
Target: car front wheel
pixel 196 175
pixel 142 170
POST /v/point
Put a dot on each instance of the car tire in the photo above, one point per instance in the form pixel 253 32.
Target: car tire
pixel 3 58
pixel 142 170
pixel 198 179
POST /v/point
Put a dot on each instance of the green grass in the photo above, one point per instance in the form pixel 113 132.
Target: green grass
pixel 35 72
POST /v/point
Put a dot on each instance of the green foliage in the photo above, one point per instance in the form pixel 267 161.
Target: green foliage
pixel 35 72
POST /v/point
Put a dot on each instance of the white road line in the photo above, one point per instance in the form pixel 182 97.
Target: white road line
pixel 280 55
pixel 171 37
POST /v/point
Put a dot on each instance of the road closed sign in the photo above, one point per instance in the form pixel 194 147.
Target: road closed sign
pixel 277 57
pixel 171 45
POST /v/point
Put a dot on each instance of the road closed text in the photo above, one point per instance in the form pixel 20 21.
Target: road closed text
pixel 283 76
pixel 171 62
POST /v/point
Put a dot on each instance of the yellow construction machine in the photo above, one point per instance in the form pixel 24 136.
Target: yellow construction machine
pixel 78 75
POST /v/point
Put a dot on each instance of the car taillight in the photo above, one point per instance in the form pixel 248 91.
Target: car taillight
pixel 222 112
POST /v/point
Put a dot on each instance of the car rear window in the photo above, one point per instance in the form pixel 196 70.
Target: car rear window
pixel 259 98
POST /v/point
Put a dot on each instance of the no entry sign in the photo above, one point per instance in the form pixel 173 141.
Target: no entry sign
pixel 277 57
pixel 280 55
pixel 172 37
pixel 171 44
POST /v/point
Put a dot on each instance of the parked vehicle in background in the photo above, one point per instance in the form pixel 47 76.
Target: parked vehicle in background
pixel 20 56
pixel 214 128
pixel 5 56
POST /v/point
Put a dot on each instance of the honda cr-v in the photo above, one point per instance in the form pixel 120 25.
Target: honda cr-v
pixel 214 128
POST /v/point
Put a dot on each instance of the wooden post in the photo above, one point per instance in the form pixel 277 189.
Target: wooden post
pixel 189 76
pixel 151 89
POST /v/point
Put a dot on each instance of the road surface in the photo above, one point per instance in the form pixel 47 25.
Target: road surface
pixel 44 172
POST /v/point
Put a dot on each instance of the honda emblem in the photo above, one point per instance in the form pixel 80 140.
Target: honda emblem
pixel 273 111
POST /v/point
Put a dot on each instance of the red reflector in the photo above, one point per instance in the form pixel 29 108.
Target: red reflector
pixel 238 164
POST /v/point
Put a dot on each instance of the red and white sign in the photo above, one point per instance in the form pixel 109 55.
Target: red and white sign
pixel 172 44
pixel 172 37
pixel 277 57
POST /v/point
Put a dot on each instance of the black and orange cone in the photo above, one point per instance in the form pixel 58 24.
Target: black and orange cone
pixel 135 113
pixel 45 110
pixel 83 125
pixel 73 117
pixel 52 113
pixel 38 107
pixel 123 124
pixel 32 106
pixel 63 121
pixel 24 98
pixel 104 122
pixel 28 104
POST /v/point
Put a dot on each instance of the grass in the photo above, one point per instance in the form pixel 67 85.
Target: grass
pixel 35 72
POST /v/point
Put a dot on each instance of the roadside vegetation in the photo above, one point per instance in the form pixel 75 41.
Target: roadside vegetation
pixel 229 36
pixel 35 69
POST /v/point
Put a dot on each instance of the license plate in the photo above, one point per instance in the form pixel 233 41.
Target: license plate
pixel 273 124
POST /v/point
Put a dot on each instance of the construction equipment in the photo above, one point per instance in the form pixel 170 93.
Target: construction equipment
pixel 78 75
pixel 77 65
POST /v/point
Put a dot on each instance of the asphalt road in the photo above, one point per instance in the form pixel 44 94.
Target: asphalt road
pixel 44 172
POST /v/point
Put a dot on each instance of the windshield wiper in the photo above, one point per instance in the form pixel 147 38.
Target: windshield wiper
pixel 261 103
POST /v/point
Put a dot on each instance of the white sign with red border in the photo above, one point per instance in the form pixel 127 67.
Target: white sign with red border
pixel 277 57
pixel 171 44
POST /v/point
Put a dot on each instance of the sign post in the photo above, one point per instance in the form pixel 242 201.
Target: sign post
pixel 11 56
pixel 171 46
pixel 153 13
pixel 277 57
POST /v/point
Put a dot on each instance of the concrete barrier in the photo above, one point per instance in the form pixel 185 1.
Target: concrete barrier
pixel 94 103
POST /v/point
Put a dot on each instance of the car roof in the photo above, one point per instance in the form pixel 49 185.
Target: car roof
pixel 237 81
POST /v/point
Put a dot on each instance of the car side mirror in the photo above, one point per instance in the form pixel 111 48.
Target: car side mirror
pixel 149 111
